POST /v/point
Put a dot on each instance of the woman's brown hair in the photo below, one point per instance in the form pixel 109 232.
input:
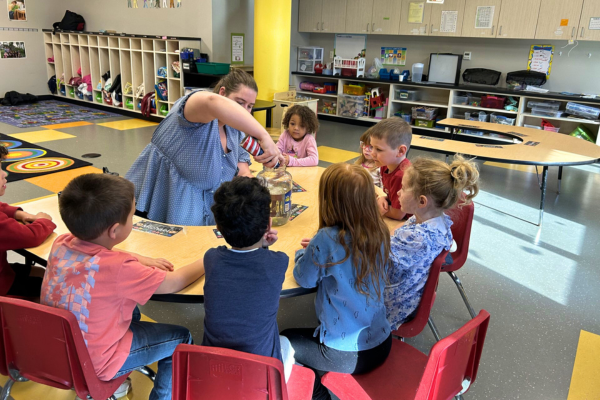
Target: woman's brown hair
pixel 233 80
pixel 444 184
pixel 307 116
pixel 347 201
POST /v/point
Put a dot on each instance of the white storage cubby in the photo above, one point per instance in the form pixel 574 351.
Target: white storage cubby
pixel 308 57
pixel 137 59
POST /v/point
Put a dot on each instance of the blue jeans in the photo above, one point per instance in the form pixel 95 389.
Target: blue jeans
pixel 154 342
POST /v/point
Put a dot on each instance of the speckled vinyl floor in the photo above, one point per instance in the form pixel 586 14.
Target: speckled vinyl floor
pixel 542 289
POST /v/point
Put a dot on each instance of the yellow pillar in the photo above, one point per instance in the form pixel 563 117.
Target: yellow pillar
pixel 272 25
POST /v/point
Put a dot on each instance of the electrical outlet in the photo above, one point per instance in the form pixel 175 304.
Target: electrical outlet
pixel 571 41
pixel 331 54
pixel 467 56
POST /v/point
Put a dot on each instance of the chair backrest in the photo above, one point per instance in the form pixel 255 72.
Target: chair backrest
pixel 45 345
pixel 462 220
pixel 417 324
pixel 454 359
pixel 201 372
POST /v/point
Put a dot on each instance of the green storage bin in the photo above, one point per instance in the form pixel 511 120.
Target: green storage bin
pixel 212 68
pixel 583 132
pixel 424 123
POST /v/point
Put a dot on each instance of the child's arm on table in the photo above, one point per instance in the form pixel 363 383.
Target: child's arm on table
pixel 159 263
pixel 14 235
pixel 306 273
pixel 181 277
pixel 312 158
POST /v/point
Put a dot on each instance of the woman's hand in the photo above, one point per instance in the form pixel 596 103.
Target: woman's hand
pixel 271 154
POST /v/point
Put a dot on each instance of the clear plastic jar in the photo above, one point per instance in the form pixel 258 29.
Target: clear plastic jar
pixel 279 183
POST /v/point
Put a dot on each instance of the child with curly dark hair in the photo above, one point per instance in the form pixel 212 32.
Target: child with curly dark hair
pixel 297 143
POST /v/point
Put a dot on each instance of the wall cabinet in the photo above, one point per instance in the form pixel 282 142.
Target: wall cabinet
pixel 414 18
pixel 359 15
pixel 447 19
pixel 322 16
pixel 589 15
pixel 473 9
pixel 386 17
pixel 559 19
pixel 518 19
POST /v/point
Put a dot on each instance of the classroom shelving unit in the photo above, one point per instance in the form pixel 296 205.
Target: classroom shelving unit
pixel 136 57
pixel 444 97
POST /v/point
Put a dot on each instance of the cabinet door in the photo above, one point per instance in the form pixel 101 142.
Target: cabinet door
pixel 386 17
pixel 477 13
pixel 591 9
pixel 414 18
pixel 334 16
pixel 447 19
pixel 518 19
pixel 558 19
pixel 309 15
pixel 358 16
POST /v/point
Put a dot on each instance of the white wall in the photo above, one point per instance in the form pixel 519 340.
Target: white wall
pixel 576 73
pixel 193 19
pixel 232 16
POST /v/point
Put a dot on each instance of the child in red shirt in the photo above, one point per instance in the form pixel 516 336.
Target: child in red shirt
pixel 15 279
pixel 102 286
pixel 390 140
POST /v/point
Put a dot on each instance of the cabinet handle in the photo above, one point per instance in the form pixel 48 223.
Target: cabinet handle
pixel 582 32
pixel 500 31
pixel 373 27
pixel 493 26
pixel 317 26
pixel 367 27
pixel 322 24
pixel 573 33
pixel 431 30
pixel 426 29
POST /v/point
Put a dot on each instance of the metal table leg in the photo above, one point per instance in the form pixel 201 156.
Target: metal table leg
pixel 559 178
pixel 268 118
pixel 544 182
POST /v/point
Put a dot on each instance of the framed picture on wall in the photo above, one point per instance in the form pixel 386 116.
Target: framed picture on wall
pixel 12 50
pixel 16 10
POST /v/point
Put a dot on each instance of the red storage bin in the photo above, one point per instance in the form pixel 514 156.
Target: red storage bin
pixel 492 101
pixel 319 68
pixel 319 89
pixel 330 87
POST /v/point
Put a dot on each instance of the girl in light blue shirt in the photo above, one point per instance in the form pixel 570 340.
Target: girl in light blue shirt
pixel 347 262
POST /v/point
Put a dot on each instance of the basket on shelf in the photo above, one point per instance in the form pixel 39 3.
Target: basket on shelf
pixel 427 113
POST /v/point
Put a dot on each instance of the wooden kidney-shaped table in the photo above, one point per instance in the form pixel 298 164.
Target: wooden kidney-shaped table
pixel 192 242
pixel 534 147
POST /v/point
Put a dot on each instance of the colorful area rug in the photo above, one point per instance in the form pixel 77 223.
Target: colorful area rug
pixel 26 160
pixel 48 112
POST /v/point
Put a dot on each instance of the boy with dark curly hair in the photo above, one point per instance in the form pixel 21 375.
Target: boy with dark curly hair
pixel 297 143
pixel 241 291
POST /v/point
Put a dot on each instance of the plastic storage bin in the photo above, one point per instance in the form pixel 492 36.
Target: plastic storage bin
pixel 544 112
pixel 409 95
pixel 306 66
pixel 501 119
pixel 310 53
pixel 330 87
pixel 355 90
pixel 328 107
pixel 461 100
pixel 428 113
pixel 474 101
pixel 212 68
pixel 532 126
pixel 351 106
pixel 552 128
pixel 544 105
pixel 424 123
pixel 493 101
pixel 582 110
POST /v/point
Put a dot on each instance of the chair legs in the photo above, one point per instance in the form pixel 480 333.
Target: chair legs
pixel 434 329
pixel 15 377
pixel 462 292
pixel 148 372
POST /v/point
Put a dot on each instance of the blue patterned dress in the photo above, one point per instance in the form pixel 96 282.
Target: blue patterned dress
pixel 413 248
pixel 177 174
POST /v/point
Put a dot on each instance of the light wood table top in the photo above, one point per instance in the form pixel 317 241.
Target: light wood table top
pixel 553 149
pixel 193 241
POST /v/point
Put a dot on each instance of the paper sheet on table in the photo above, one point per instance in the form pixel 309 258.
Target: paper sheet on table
pixel 415 12
pixel 484 17
pixel 449 20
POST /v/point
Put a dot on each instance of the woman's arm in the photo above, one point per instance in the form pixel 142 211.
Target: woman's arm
pixel 244 170
pixel 203 107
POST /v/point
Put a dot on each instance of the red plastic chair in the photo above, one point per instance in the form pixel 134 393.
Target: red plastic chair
pixel 45 345
pixel 415 326
pixel 201 372
pixel 448 371
pixel 462 220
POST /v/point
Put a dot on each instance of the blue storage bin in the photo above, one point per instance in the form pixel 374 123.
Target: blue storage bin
pixel 384 74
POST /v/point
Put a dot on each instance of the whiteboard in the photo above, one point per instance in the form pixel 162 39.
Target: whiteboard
pixel 443 68
pixel 349 46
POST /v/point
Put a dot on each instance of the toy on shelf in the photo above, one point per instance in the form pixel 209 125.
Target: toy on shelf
pixel 377 105
pixel 328 107
pixel 352 106
pixel 353 67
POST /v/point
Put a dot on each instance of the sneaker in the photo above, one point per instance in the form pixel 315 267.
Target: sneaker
pixel 121 390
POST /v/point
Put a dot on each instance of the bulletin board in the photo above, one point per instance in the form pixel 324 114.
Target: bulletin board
pixel 540 58
pixel 349 46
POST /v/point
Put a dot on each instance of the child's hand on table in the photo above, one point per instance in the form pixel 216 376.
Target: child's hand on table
pixel 270 238
pixel 159 263
pixel 383 205
pixel 286 159
pixel 304 243
pixel 27 218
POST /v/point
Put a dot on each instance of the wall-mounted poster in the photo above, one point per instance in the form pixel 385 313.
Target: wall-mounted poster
pixel 12 50
pixel 540 59
pixel 16 10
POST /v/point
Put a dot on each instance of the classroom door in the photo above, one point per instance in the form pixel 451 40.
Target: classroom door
pixel 358 16
pixel 518 19
pixel 386 17
pixel 334 16
pixel 414 18
pixel 447 19
pixel 589 25
pixel 309 15
pixel 481 18
pixel 559 19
